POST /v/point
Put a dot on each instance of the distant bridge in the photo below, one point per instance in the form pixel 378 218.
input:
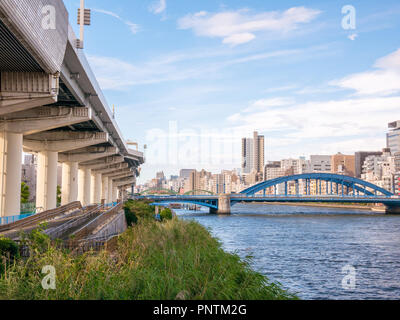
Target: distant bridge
pixel 158 191
pixel 335 189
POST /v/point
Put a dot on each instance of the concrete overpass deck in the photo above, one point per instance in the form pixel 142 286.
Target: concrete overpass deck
pixel 51 105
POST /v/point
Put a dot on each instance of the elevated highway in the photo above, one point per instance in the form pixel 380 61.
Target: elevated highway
pixel 51 105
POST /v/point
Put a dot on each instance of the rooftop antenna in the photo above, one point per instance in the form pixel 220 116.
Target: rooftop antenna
pixel 113 114
pixel 83 20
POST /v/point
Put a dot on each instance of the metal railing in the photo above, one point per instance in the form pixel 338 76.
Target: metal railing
pixel 37 218
pixel 11 219
pixel 75 222
pixel 86 230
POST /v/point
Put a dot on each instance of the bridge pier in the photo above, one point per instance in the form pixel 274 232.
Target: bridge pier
pixel 10 173
pixel 109 190
pixel 85 179
pixel 392 210
pixel 224 205
pixel 95 188
pixel 46 185
pixel 69 185
pixel 104 190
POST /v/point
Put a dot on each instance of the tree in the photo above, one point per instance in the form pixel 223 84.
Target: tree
pixel 58 195
pixel 25 193
pixel 166 214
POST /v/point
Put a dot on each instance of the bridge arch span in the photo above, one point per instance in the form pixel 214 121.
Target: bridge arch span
pixel 198 190
pixel 158 191
pixel 359 185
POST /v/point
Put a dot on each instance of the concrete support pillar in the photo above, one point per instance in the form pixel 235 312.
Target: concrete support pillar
pixel 95 189
pixel 46 185
pixel 104 190
pixel 69 187
pixel 392 210
pixel 10 173
pixel 84 182
pixel 110 190
pixel 114 193
pixel 224 205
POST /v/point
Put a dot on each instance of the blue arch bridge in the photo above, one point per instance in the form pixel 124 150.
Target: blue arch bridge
pixel 309 187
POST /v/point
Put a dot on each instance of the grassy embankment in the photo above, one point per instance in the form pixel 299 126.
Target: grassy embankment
pixel 172 259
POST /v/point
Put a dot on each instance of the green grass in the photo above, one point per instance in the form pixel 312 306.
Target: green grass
pixel 174 259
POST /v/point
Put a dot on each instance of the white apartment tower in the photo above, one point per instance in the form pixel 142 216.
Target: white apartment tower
pixel 253 155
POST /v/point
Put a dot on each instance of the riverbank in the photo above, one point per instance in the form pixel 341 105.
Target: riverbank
pixel 168 260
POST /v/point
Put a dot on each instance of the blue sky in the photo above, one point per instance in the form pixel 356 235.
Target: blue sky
pixel 190 78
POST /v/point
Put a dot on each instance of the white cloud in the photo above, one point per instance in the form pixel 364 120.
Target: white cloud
pixel 239 38
pixel 117 74
pixel 342 125
pixel 391 61
pixel 241 26
pixel 347 125
pixel 132 26
pixel 158 7
pixel 383 81
pixel 317 119
pixel 264 104
pixel 281 88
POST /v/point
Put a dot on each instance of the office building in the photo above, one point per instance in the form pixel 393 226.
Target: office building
pixel 393 137
pixel 360 157
pixel 247 155
pixel 185 173
pixel 343 164
pixel 320 163
pixel 253 156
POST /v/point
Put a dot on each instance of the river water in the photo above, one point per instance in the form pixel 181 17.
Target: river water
pixel 306 248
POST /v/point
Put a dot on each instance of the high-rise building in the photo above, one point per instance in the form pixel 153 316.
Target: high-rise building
pixel 253 156
pixel 397 173
pixel 393 137
pixel 259 153
pixel 247 155
pixel 381 170
pixel 343 164
pixel 273 170
pixel 320 163
pixel 160 175
pixel 360 157
pixel 28 175
pixel 185 173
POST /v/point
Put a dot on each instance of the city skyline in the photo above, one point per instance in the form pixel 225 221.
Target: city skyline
pixel 326 88
pixel 356 165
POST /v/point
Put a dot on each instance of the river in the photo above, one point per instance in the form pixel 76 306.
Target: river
pixel 306 248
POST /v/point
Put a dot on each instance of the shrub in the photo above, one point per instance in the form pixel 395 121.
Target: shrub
pixel 166 214
pixel 37 240
pixel 9 250
pixel 164 261
pixel 130 217
pixel 140 210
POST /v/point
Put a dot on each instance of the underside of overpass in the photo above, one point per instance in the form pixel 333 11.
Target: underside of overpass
pixel 52 106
